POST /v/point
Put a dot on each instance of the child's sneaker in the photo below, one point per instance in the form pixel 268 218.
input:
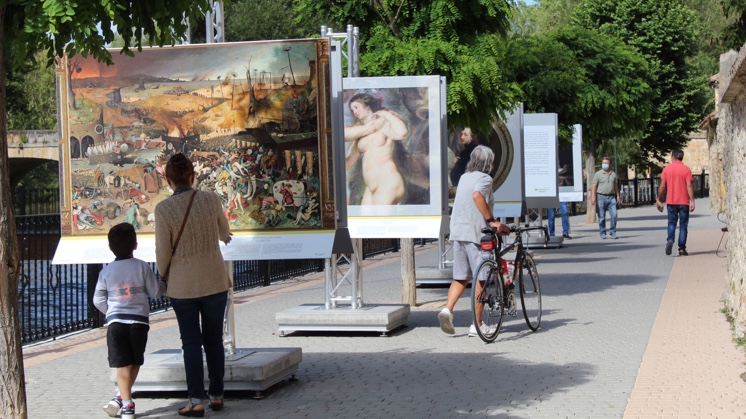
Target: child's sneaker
pixel 128 412
pixel 114 407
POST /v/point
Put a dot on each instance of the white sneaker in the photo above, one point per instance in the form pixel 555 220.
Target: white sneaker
pixel 473 330
pixel 445 317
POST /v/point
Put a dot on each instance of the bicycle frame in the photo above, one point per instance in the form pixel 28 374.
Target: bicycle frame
pixel 517 244
pixel 491 299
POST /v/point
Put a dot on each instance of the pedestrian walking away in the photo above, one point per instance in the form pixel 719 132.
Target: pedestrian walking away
pixel 122 293
pixel 676 182
pixel 190 225
pixel 472 211
pixel 605 197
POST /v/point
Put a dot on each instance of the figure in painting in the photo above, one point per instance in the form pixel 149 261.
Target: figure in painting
pixel 376 151
pixel 287 196
pixel 468 142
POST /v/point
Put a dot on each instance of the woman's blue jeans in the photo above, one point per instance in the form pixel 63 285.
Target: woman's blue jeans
pixel 680 214
pixel 207 333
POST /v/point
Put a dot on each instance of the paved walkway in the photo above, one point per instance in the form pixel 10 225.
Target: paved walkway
pixel 626 332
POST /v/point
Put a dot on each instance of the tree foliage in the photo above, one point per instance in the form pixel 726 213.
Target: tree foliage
pixel 458 39
pixel 586 78
pixel 733 35
pixel 31 97
pixel 87 27
pixel 253 20
pixel 665 32
pixel 543 17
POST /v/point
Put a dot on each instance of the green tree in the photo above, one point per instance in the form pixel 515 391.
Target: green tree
pixel 706 61
pixel 586 78
pixel 733 35
pixel 543 16
pixel 32 105
pixel 31 97
pixel 458 39
pixel 254 20
pixel 665 32
pixel 85 28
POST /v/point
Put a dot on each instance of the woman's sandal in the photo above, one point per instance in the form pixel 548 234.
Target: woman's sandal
pixel 191 411
pixel 216 404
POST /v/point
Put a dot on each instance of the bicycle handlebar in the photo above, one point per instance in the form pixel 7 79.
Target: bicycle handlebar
pixel 516 229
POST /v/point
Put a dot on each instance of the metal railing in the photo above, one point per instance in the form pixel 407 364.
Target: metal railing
pixel 54 300
pixel 643 191
pixel 36 201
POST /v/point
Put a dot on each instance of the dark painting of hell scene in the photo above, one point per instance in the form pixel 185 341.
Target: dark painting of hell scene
pixel 245 114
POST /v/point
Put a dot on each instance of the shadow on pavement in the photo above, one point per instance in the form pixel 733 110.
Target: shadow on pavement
pixel 401 383
pixel 657 217
pixel 573 284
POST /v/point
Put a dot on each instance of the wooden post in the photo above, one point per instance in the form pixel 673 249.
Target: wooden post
pixel 590 170
pixel 408 281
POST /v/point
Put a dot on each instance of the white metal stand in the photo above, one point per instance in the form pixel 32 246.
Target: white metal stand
pixel 353 277
pixel 343 312
pixel 443 273
pixel 535 239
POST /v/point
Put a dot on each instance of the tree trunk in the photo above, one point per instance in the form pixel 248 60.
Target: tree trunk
pixel 408 281
pixel 590 170
pixel 12 380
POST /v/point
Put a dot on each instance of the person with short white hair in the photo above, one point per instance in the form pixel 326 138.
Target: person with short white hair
pixel 472 211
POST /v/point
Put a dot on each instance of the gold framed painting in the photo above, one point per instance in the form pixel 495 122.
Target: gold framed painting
pixel 253 117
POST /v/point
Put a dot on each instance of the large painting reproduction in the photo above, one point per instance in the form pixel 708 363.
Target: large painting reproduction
pixel 393 146
pixel 248 115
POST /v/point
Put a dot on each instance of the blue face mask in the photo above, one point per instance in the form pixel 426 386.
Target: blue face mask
pixel 605 166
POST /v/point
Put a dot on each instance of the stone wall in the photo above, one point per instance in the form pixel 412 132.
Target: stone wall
pixel 696 154
pixel 717 182
pixel 731 136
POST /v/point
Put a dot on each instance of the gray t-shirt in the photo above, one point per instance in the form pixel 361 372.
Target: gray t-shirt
pixel 466 220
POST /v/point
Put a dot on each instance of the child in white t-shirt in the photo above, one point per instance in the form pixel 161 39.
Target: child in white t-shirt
pixel 122 293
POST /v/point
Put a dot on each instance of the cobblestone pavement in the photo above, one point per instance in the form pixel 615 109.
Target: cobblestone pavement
pixel 601 301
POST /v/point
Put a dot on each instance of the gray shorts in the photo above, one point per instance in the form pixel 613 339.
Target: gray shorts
pixel 467 257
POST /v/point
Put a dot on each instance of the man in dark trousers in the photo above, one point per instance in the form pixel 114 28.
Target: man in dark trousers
pixel 676 181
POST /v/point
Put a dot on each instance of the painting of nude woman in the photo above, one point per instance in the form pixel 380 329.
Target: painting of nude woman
pixel 376 140
pixel 388 150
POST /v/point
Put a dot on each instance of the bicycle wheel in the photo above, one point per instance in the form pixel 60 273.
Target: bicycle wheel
pixel 486 300
pixel 530 289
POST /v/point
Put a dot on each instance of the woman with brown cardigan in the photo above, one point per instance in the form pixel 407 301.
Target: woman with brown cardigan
pixel 198 281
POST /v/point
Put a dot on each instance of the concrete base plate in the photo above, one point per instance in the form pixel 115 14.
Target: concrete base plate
pixel 252 369
pixel 432 275
pixel 369 318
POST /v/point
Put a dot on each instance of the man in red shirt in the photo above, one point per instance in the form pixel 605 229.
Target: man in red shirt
pixel 676 181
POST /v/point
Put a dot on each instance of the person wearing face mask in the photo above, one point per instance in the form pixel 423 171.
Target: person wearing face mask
pixel 605 197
